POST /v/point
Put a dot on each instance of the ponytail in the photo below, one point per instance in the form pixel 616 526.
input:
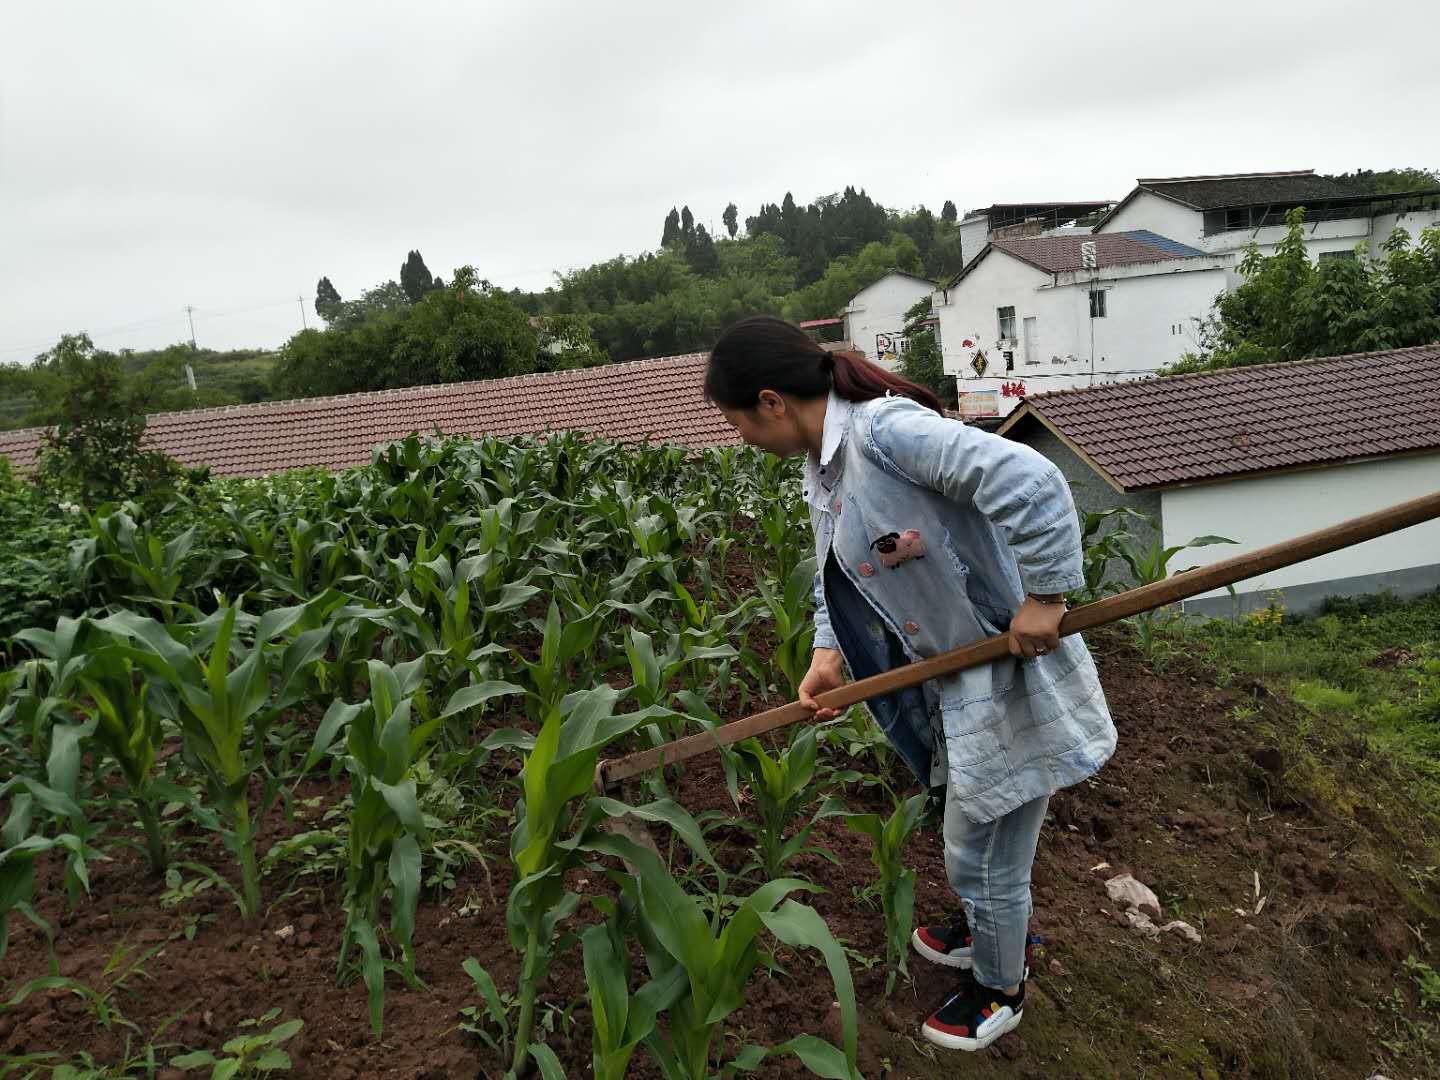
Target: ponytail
pixel 765 353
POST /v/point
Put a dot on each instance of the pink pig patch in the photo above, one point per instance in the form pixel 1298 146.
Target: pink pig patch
pixel 897 548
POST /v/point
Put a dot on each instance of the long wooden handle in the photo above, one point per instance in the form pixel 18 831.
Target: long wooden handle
pixel 1111 609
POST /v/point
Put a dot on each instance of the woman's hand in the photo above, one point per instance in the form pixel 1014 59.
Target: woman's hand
pixel 826 672
pixel 1035 630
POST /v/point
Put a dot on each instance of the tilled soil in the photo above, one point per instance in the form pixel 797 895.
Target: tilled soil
pixel 1196 804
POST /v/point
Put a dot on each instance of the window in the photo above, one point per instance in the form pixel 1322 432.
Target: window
pixel 1337 254
pixel 1097 303
pixel 1006 315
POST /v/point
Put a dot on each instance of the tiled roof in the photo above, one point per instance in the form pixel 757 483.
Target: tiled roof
pixel 1157 433
pixel 660 400
pixel 1256 189
pixel 1055 254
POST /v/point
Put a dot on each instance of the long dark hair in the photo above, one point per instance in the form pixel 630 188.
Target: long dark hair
pixel 765 353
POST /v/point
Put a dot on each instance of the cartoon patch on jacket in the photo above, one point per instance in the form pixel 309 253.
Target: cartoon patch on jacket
pixel 901 547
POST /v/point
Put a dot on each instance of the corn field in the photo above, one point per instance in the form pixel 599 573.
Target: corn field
pixel 424 659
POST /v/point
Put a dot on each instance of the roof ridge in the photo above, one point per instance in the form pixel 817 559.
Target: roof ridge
pixel 1191 375
pixel 1222 176
pixel 215 410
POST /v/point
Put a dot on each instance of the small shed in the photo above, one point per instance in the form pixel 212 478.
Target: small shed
pixel 1261 454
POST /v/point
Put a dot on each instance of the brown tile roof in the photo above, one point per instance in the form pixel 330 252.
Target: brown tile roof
pixel 1157 433
pixel 657 399
pixel 1055 254
pixel 1253 189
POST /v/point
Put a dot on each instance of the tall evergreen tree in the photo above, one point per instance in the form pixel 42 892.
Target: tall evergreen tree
pixel 671 234
pixel 948 212
pixel 687 225
pixel 415 277
pixel 327 299
pixel 701 255
pixel 731 218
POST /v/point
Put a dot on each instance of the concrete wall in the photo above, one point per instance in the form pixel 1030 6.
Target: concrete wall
pixel 1149 323
pixel 1092 494
pixel 880 310
pixel 974 235
pixel 1267 509
pixel 1163 216
pixel 1413 223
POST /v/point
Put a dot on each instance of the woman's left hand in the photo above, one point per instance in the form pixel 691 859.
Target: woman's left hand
pixel 1035 629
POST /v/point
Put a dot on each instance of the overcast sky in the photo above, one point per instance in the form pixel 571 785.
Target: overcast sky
pixel 226 155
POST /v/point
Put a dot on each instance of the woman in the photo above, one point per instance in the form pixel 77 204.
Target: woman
pixel 929 535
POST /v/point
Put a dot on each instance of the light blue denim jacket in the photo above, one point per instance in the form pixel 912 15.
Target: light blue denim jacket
pixel 997 521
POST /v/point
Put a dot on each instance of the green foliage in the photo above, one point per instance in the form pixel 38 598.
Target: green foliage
pixel 415 278
pixel 327 300
pixel 890 838
pixel 1289 308
pixel 922 362
pixel 34 579
pixel 781 785
pixel 848 274
pixel 246 1055
pixel 1393 181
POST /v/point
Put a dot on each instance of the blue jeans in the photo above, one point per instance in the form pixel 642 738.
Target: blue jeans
pixel 988 864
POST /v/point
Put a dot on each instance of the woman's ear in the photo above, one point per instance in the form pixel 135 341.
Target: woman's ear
pixel 770 404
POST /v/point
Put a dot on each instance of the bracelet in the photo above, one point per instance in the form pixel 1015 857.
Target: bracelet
pixel 1053 598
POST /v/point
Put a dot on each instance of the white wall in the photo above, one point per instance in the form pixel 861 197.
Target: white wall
pixel 1413 223
pixel 1169 219
pixel 1267 509
pixel 880 309
pixel 1148 324
pixel 974 235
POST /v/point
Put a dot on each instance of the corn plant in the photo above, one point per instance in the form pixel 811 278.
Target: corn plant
pixel 555 820
pixel 123 554
pixel 889 839
pixel 386 825
pixel 621 1021
pixel 792 608
pixel 20 844
pixel 715 959
pixel 225 712
pixel 781 786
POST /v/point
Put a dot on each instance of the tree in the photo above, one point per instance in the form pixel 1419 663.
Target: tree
pixel 948 212
pixel 1393 181
pixel 415 278
pixel 469 331
pixel 731 219
pixel 671 234
pixel 701 254
pixel 922 362
pixel 1289 308
pixel 327 300
pixel 687 224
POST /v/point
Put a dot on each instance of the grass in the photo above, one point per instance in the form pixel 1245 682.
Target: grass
pixel 1344 666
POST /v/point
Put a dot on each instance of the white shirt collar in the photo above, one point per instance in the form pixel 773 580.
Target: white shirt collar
pixel 837 423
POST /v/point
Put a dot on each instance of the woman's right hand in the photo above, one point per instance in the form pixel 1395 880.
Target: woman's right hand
pixel 827 672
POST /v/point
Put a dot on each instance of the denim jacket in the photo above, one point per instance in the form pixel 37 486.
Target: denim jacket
pixel 974 522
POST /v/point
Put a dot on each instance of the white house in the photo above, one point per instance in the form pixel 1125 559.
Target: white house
pixel 875 316
pixel 1005 220
pixel 1259 455
pixel 1220 214
pixel 1027 316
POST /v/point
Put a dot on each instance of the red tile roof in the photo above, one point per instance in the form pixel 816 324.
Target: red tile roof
pixel 660 400
pixel 1157 433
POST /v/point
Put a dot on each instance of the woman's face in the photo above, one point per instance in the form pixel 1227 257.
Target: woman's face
pixel 771 425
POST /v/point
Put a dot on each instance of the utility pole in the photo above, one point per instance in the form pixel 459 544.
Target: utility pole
pixel 190 311
pixel 1090 260
pixel 303 324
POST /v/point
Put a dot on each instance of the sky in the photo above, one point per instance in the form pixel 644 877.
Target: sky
pixel 224 156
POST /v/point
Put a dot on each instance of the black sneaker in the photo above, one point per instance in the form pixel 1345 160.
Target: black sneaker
pixel 947 945
pixel 951 945
pixel 974 1016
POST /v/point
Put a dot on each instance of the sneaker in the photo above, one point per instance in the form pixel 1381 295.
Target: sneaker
pixel 974 1017
pixel 947 945
pixel 952 947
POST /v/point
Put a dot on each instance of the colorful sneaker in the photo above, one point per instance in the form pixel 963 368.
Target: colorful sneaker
pixel 947 945
pixel 952 946
pixel 974 1017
